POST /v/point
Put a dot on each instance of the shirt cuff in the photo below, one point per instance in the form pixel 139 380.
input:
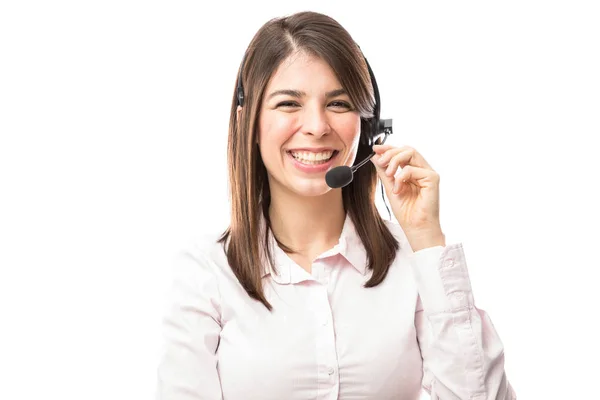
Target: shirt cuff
pixel 442 278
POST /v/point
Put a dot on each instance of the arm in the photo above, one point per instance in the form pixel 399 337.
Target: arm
pixel 191 327
pixel 463 357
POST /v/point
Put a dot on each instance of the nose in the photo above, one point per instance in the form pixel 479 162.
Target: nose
pixel 315 121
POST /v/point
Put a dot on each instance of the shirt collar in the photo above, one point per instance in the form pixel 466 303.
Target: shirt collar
pixel 349 245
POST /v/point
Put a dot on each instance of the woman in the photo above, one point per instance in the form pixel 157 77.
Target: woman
pixel 310 294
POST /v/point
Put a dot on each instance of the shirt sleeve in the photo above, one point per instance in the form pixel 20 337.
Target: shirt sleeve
pixel 463 357
pixel 191 328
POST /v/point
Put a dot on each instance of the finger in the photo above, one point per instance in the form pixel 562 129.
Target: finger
pixel 386 157
pixel 380 148
pixel 412 157
pixel 388 181
pixel 421 177
pixel 396 161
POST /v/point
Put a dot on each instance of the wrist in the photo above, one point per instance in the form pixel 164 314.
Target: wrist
pixel 426 239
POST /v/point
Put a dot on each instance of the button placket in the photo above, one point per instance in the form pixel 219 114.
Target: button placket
pixel 325 341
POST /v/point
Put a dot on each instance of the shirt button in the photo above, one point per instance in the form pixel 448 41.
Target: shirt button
pixel 450 264
pixel 330 371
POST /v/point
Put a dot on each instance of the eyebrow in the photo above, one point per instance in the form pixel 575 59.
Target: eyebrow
pixel 298 93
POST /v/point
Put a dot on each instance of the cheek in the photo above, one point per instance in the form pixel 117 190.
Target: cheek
pixel 274 130
pixel 348 129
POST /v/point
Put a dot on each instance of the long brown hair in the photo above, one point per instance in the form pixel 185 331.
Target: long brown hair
pixel 246 243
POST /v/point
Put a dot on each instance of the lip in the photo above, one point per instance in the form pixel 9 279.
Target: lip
pixel 312 168
pixel 313 149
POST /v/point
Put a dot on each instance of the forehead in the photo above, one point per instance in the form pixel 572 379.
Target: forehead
pixel 302 70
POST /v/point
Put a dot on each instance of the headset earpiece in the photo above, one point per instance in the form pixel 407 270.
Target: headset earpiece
pixel 240 87
pixel 377 126
pixel 240 96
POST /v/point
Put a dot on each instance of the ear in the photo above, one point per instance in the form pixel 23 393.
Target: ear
pixel 239 113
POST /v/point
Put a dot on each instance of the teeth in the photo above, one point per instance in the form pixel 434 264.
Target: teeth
pixel 310 156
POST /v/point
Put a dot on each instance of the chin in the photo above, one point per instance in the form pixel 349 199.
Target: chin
pixel 312 188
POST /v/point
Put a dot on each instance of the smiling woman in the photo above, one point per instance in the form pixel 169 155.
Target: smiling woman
pixel 307 124
pixel 309 293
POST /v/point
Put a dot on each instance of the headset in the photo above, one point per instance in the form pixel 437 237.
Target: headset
pixel 376 125
pixel 341 176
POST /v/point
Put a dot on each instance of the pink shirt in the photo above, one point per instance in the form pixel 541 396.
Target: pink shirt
pixel 328 337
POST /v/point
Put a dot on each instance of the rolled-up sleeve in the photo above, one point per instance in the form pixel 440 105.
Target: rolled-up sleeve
pixel 191 328
pixel 463 356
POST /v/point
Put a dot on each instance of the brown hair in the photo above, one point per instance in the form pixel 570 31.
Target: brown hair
pixel 321 36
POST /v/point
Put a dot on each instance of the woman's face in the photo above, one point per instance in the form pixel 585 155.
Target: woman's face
pixel 307 126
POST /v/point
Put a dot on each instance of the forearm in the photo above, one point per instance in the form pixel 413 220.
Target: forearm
pixel 463 355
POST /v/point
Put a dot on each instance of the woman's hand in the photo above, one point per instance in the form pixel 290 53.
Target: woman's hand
pixel 412 188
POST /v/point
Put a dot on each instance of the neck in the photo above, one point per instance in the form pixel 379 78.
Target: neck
pixel 308 225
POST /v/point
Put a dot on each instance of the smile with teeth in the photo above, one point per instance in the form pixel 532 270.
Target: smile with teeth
pixel 308 157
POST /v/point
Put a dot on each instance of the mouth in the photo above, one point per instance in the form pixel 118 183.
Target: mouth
pixel 313 158
pixel 312 162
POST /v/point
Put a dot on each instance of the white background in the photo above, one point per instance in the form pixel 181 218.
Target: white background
pixel 113 123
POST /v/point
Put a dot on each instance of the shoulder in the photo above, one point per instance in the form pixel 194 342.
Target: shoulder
pixel 204 246
pixel 200 257
pixel 398 233
pixel 193 281
pixel 400 273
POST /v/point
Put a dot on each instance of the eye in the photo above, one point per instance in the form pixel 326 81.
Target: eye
pixel 287 104
pixel 340 104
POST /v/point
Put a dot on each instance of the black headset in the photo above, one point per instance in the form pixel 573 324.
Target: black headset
pixel 376 125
